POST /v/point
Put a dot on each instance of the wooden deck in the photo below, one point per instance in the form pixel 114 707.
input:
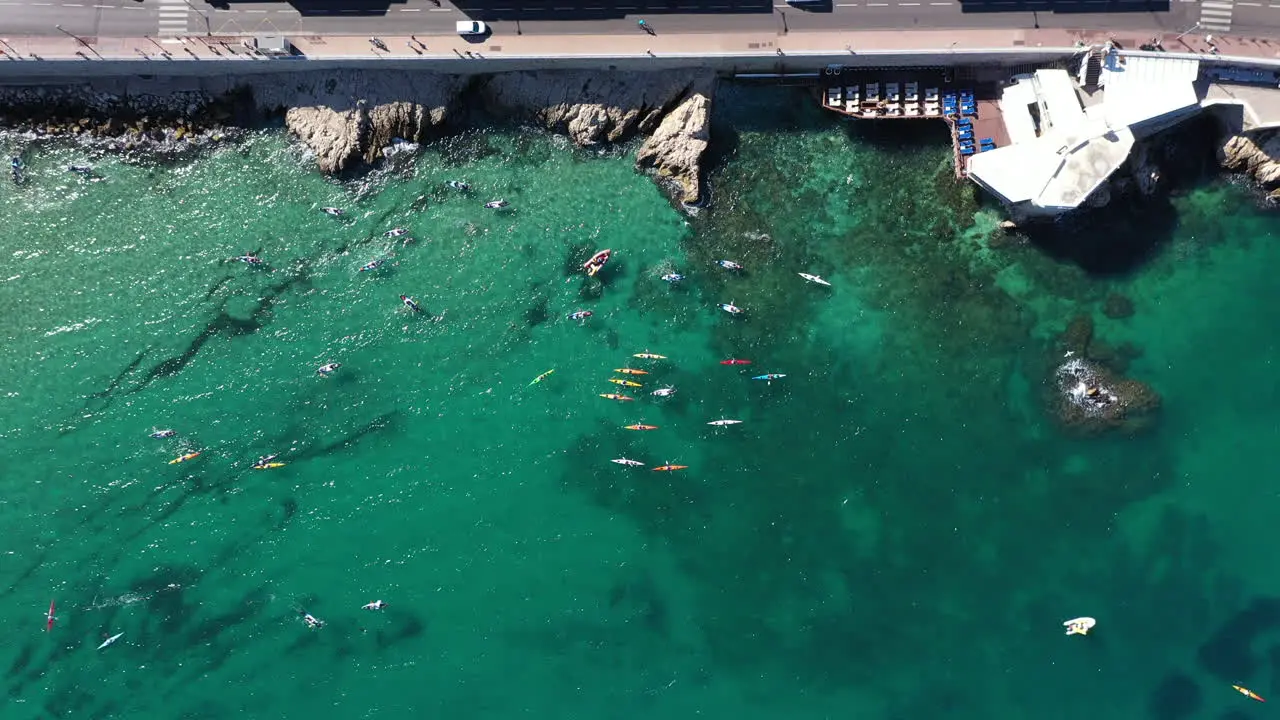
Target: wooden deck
pixel 914 95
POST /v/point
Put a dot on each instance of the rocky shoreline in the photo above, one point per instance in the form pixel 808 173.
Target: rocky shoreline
pixel 348 119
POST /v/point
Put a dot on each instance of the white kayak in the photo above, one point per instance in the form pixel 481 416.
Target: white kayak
pixel 628 463
pixel 1080 625
pixel 814 279
pixel 722 423
pixel 110 640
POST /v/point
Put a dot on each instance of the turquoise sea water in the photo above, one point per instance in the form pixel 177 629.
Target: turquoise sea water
pixel 896 530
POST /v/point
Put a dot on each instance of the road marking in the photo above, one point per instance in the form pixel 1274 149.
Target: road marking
pixel 79 5
pixel 410 9
pixel 1244 4
pixel 439 9
pixel 42 4
pixel 104 6
pixel 173 17
pixel 902 4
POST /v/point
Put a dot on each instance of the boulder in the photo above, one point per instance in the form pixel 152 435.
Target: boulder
pixel 1253 154
pixel 1089 399
pixel 676 147
pixel 593 108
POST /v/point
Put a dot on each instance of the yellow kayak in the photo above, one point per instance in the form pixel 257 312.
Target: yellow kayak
pixel 629 371
pixel 268 466
pixel 646 355
pixel 184 458
pixel 625 383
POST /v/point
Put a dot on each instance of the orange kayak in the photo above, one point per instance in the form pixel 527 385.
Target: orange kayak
pixel 640 426
pixel 1248 693
pixel 629 371
pixel 615 396
pixel 184 458
pixel 668 468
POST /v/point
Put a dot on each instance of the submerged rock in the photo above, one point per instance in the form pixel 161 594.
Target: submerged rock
pixel 1117 306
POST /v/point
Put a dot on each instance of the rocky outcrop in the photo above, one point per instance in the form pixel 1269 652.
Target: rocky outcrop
pixel 598 107
pixel 349 117
pixel 1087 393
pixel 675 149
pixel 1257 154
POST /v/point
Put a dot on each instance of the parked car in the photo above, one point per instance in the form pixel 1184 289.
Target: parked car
pixel 472 27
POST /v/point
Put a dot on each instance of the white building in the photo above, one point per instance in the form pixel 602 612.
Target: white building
pixel 1062 148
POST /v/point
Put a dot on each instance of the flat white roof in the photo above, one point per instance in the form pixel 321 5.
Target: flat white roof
pixel 1014 100
pixel 1057 92
pixel 1137 88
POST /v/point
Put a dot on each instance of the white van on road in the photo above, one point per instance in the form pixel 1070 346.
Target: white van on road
pixel 472 27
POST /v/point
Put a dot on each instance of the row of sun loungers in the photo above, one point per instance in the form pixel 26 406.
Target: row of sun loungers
pixel 897 100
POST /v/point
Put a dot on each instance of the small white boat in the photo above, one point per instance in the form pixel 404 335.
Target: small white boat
pixel 664 392
pixel 814 279
pixel 395 232
pixel 335 212
pixel 628 463
pixel 722 423
pixel 729 265
pixel 731 308
pixel 110 640
pixel 496 204
pixel 1080 625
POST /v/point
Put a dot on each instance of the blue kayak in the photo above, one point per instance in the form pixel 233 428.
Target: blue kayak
pixel 770 376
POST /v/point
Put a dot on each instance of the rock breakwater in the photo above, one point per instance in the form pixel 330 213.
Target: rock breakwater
pixel 1256 154
pixel 157 124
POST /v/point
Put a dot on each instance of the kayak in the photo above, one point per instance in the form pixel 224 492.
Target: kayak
pixel 628 463
pixel 110 639
pixel 728 265
pixel 673 277
pixel 668 468
pixel 371 265
pixel 410 303
pixel 735 361
pixel 769 377
pixel 629 371
pixel 580 315
pixel 814 279
pixel 616 396
pixel 1248 693
pixel 395 232
pixel 722 423
pixel 268 466
pixel 160 434
pixel 731 308
pixel 625 383
pixel 326 369
pixel 335 212
pixel 664 392
pixel 496 204
pixel 458 185
pixel 184 458
pixel 639 426
pixel 646 355
pixel 540 378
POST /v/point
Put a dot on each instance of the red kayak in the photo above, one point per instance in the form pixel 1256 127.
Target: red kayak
pixel 735 361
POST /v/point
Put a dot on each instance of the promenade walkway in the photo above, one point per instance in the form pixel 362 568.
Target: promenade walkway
pixel 191 48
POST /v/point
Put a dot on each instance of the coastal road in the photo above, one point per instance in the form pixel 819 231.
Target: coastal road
pixel 134 18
